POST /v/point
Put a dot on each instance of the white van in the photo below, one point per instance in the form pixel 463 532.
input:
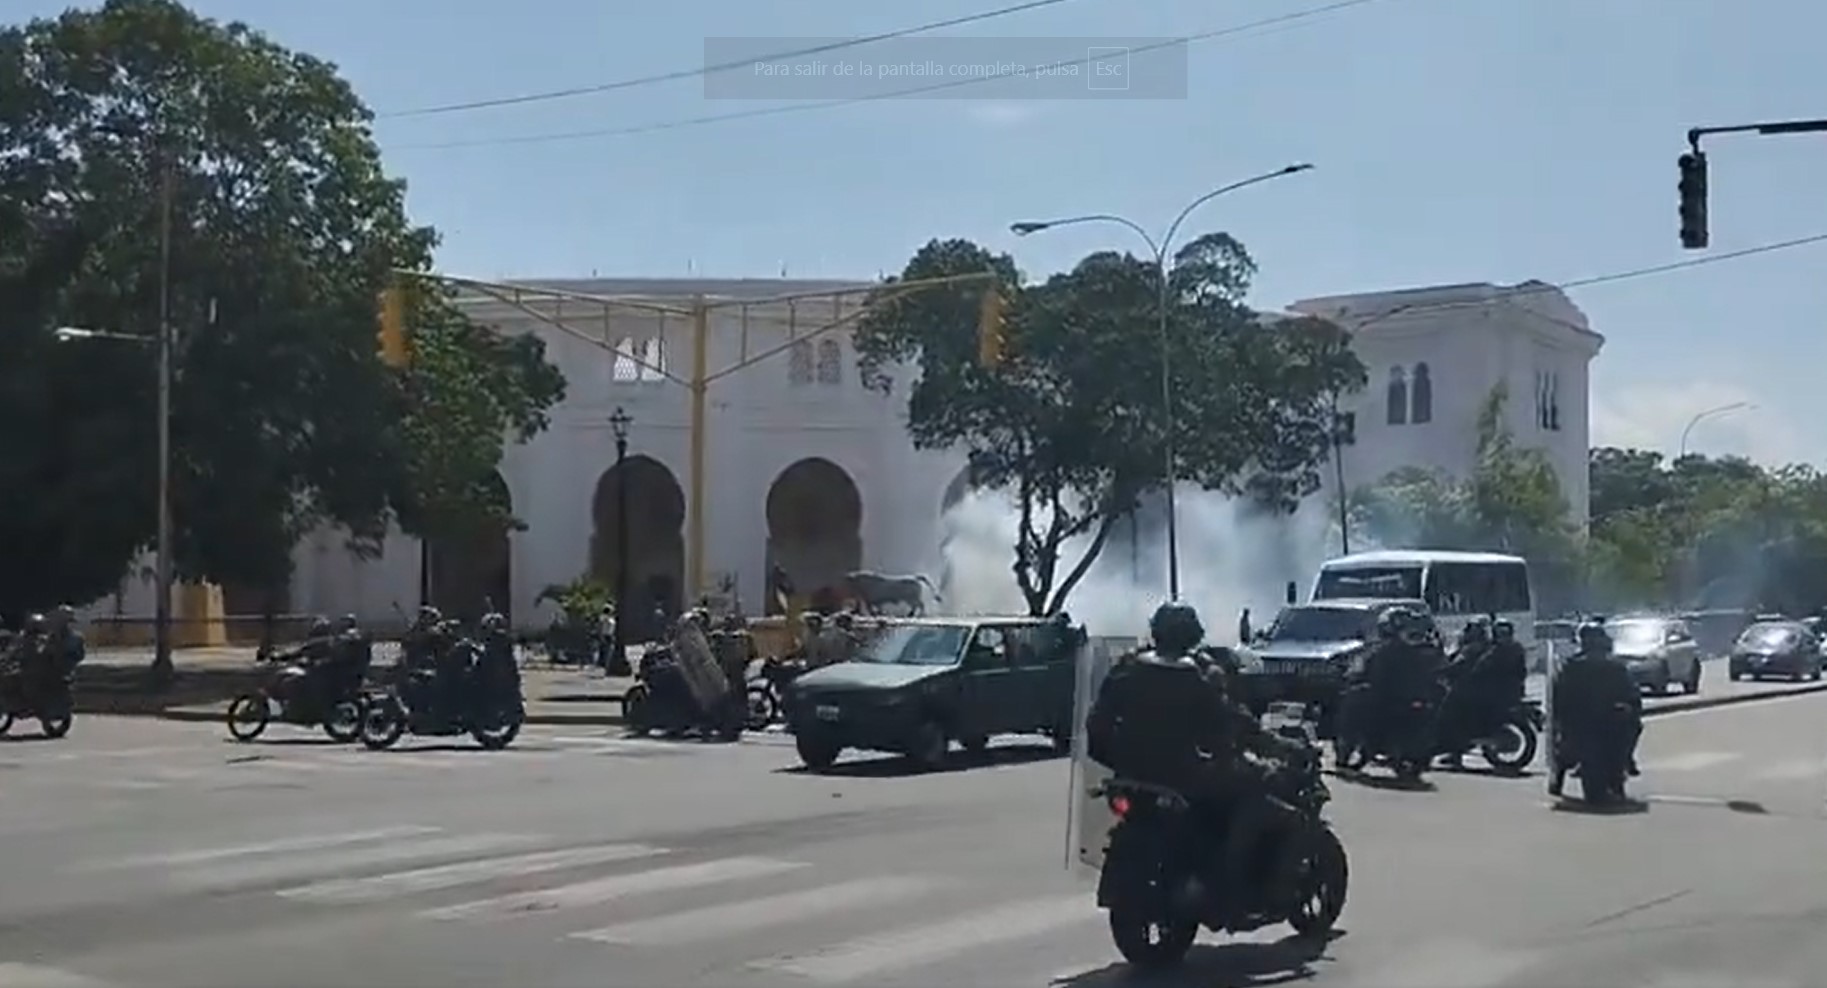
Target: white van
pixel 1457 586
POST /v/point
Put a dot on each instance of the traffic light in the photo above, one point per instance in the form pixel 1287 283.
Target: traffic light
pixel 992 329
pixel 1693 200
pixel 391 331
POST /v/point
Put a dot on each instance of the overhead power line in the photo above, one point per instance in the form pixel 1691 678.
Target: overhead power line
pixel 704 70
pixel 715 118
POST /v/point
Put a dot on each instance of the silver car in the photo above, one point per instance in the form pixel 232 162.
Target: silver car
pixel 1660 652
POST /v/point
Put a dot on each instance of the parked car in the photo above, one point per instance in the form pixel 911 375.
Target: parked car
pixel 1784 649
pixel 1660 652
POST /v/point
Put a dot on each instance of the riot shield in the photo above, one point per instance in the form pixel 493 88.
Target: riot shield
pixel 1088 818
pixel 698 663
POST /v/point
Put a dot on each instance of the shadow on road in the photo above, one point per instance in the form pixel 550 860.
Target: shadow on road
pixel 10 738
pixel 897 766
pixel 1228 965
pixel 1628 807
pixel 1388 783
pixel 284 742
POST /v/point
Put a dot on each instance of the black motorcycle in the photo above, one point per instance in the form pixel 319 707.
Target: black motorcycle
pixel 1402 740
pixel 1508 743
pixel 1601 762
pixel 660 699
pixel 1163 859
pixel 298 694
pixel 767 690
pixel 466 696
pixel 50 703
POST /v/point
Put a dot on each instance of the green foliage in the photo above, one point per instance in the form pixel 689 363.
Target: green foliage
pixel 1707 532
pixel 581 600
pixel 1512 502
pixel 284 229
pixel 1071 423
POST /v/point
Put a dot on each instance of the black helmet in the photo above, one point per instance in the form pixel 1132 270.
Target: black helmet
pixel 1503 631
pixel 1594 639
pixel 349 622
pixel 34 623
pixel 64 615
pixel 320 627
pixel 1477 632
pixel 493 622
pixel 1175 628
pixel 1394 622
pixel 429 615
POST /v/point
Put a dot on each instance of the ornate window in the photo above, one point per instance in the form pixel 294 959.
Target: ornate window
pixel 830 362
pixel 799 364
pixel 1421 397
pixel 1397 398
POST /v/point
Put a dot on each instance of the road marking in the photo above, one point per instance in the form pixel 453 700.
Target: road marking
pixel 291 866
pixel 313 843
pixel 917 946
pixel 1792 770
pixel 32 976
pixel 601 890
pixel 403 883
pixel 737 918
pixel 1693 761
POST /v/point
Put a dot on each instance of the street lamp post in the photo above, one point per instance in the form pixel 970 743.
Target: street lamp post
pixel 1163 300
pixel 1737 406
pixel 618 649
pixel 162 567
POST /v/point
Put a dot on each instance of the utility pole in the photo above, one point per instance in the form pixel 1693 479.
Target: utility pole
pixel 1693 167
pixel 162 669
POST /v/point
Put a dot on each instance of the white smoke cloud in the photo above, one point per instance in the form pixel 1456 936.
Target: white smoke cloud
pixel 1230 558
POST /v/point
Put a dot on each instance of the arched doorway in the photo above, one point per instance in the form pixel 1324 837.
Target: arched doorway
pixel 815 528
pixel 656 542
pixel 469 573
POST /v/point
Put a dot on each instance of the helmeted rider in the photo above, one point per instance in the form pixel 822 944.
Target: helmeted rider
pixel 32 650
pixel 1588 691
pixel 1463 712
pixel 1164 716
pixel 1401 667
pixel 65 639
pixel 497 670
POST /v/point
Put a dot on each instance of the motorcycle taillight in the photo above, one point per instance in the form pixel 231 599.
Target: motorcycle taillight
pixel 1119 804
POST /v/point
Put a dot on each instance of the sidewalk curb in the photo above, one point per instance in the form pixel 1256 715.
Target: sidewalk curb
pixel 580 719
pixel 1709 702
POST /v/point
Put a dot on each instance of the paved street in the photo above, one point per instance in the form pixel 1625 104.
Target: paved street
pixel 148 853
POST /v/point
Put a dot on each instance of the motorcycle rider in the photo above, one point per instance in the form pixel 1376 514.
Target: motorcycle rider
pixel 1463 712
pixel 1403 666
pixel 1164 716
pixel 1587 692
pixel 33 653
pixel 496 672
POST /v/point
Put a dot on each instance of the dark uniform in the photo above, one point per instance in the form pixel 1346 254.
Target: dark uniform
pixel 1587 692
pixel 1401 667
pixel 1164 716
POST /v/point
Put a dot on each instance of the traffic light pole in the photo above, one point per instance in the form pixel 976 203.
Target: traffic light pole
pixel 1693 186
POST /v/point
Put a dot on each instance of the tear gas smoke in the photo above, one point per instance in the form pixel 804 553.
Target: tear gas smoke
pixel 1232 555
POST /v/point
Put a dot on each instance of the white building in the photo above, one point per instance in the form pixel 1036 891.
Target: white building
pixel 1435 354
pixel 803 467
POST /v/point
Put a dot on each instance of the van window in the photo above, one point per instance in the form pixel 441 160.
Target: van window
pixel 1478 588
pixel 1371 582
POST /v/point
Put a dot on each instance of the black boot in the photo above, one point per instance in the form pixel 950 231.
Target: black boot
pixel 1557 783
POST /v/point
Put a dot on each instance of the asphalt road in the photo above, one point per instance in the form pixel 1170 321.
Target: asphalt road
pixel 145 853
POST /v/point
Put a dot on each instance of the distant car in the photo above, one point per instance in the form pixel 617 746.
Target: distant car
pixel 1660 653
pixel 1770 649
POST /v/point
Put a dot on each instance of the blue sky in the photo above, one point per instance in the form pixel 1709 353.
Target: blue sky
pixel 1456 140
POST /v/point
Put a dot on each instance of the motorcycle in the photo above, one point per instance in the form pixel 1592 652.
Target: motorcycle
pixel 418 701
pixel 1404 742
pixel 1161 862
pixel 1508 744
pixel 661 699
pixel 54 712
pixel 767 690
pixel 293 695
pixel 1602 764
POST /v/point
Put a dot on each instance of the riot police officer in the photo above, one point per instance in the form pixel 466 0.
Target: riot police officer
pixel 1590 691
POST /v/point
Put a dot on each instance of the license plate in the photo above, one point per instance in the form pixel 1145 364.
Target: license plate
pixel 826 711
pixel 1284 667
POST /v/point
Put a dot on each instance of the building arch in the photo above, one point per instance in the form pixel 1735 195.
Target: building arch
pixel 815 528
pixel 468 573
pixel 656 543
pixel 1421 395
pixel 1396 397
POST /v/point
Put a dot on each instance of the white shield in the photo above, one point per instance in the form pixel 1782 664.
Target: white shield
pixel 1088 818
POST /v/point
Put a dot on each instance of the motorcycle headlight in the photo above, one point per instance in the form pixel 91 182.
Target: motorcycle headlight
pixel 1248 661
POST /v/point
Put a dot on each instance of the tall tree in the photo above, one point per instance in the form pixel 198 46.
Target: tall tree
pixel 1071 422
pixel 284 229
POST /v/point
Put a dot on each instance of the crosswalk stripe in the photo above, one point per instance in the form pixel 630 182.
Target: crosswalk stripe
pixel 402 883
pixel 758 914
pixel 359 857
pixel 1693 761
pixel 290 844
pixel 601 890
pixel 875 956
